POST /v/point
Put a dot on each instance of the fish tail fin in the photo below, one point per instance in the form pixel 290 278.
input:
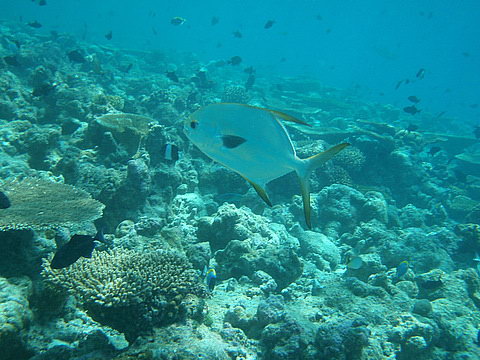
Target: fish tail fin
pixel 303 172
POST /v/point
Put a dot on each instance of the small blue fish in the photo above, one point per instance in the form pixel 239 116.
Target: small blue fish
pixel 402 269
pixel 211 278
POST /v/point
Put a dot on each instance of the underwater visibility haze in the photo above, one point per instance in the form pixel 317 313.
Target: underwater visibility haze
pixel 230 180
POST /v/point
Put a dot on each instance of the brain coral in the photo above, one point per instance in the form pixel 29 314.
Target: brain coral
pixel 40 204
pixel 128 290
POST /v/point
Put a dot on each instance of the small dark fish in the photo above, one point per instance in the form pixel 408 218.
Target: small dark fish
pixel 44 89
pixel 250 81
pixel 211 279
pixel 172 76
pixel 4 201
pixel 170 152
pixel 215 20
pixel 476 132
pixel 109 35
pixel 420 74
pixel 78 246
pixel 237 34
pixel 411 110
pixel 473 106
pixel 127 68
pixel 412 127
pixel 42 2
pixel 269 24
pixel 11 60
pixel 460 175
pixel 249 70
pixel 76 56
pixel 413 99
pixel 402 269
pixel 466 54
pixel 35 24
pixel 398 84
pixel 154 31
pixel 434 150
pixel 235 60
pixel 177 21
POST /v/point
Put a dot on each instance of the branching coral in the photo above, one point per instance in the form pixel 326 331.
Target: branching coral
pixel 129 290
pixel 40 204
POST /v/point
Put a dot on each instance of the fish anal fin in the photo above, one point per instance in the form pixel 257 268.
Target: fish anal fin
pixel 260 191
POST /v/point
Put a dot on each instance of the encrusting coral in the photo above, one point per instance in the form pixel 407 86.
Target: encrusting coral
pixel 40 204
pixel 121 286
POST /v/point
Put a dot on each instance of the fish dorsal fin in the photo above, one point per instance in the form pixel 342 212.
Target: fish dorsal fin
pixel 279 114
pixel 287 117
pixel 260 191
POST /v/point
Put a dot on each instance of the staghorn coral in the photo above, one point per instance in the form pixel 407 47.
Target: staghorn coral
pixel 41 204
pixel 129 290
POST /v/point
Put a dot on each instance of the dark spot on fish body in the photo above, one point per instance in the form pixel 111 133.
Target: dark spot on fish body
pixel 193 124
pixel 232 141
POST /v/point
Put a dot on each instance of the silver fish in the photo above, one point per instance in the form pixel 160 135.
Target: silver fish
pixel 253 142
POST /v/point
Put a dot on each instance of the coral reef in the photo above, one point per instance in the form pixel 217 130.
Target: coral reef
pixel 120 286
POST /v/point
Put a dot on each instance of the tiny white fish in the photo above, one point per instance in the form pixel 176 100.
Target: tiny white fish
pixel 254 143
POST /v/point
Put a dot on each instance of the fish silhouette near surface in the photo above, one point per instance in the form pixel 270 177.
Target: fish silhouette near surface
pixel 78 246
pixel 254 143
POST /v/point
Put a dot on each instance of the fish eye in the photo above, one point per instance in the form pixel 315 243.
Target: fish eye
pixel 193 124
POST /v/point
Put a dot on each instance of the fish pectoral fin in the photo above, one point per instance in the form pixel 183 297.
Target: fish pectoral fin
pixel 260 191
pixel 232 141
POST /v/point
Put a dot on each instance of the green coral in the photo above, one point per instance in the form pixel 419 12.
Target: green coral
pixel 41 204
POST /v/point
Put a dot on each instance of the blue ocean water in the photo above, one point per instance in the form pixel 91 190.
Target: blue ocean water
pixel 364 46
